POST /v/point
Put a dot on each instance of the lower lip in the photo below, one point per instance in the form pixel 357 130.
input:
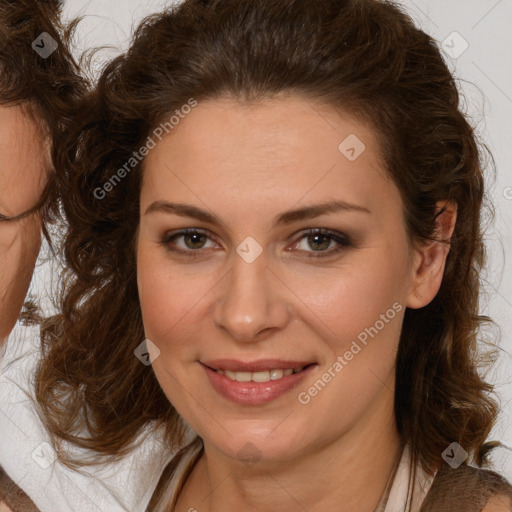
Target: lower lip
pixel 254 393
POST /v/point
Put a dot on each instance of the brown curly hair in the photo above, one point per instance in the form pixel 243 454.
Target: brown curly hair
pixel 366 57
pixel 46 88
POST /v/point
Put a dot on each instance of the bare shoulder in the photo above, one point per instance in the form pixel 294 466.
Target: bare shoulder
pixel 498 504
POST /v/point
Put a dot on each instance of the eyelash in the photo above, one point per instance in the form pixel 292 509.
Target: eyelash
pixel 343 242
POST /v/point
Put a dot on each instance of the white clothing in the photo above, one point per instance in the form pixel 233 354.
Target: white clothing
pixel 27 457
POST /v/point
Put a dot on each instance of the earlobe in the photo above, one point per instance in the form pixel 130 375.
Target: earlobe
pixel 430 258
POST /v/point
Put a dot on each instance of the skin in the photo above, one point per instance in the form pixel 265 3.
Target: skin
pixel 23 175
pixel 256 163
pixel 498 504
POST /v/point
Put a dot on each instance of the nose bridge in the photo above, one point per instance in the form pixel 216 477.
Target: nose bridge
pixel 249 301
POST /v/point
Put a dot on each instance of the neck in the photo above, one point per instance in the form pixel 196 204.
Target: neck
pixel 349 473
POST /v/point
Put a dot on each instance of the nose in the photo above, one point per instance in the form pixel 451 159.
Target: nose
pixel 252 302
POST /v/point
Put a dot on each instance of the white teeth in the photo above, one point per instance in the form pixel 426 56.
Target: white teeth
pixel 276 374
pixel 243 376
pixel 263 376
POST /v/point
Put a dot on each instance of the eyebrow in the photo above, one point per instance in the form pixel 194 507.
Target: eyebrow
pixel 285 218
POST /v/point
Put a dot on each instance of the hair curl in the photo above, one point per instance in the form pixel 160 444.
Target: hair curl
pixel 364 57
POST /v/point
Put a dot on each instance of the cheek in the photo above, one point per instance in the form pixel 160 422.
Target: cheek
pixel 361 314
pixel 30 177
pixel 348 300
pixel 19 247
pixel 169 299
pixel 360 302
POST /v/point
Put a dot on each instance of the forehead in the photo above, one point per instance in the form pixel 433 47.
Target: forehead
pixel 274 152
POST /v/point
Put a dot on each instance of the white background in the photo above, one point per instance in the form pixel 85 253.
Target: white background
pixel 485 70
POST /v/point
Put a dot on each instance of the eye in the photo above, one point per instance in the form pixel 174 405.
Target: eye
pixel 321 240
pixel 192 241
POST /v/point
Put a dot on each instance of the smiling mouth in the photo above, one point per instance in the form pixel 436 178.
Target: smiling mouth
pixel 260 376
pixel 258 382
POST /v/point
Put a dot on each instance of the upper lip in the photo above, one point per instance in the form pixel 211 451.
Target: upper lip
pixel 234 365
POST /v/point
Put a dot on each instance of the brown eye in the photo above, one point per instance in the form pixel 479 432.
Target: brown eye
pixel 196 240
pixel 188 242
pixel 321 240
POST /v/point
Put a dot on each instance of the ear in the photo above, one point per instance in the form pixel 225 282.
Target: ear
pixel 430 258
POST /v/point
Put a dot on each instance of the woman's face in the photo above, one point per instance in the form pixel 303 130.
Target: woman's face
pixel 250 290
pixel 22 179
